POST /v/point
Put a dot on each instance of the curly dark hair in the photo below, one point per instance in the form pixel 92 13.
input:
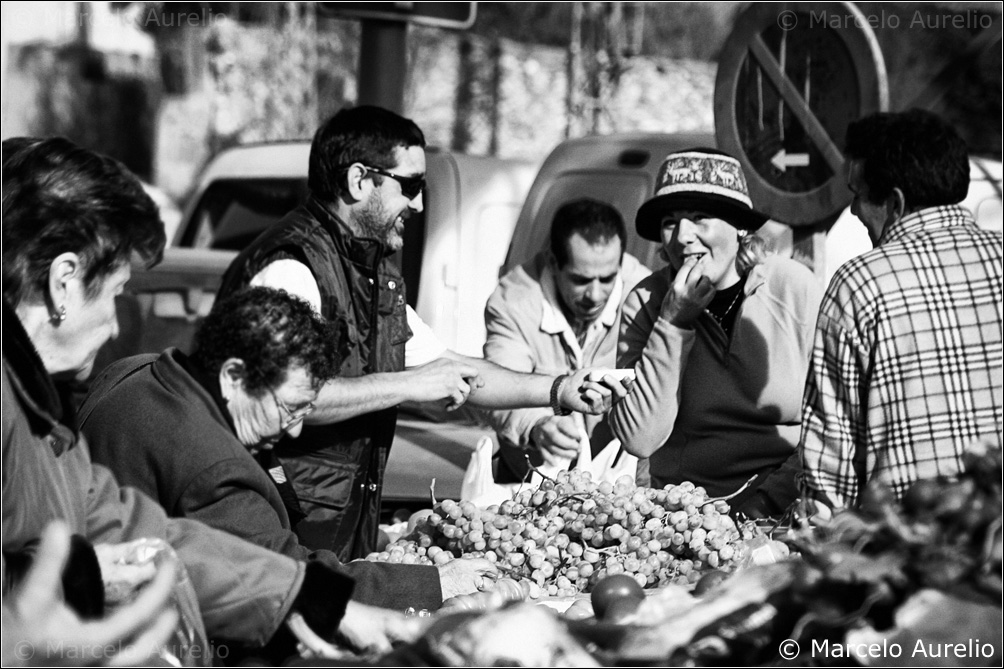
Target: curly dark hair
pixel 363 134
pixel 915 151
pixel 271 331
pixel 59 198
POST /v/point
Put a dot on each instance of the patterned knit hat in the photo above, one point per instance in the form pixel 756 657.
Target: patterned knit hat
pixel 703 180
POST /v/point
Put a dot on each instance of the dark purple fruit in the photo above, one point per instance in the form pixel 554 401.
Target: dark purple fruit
pixel 613 589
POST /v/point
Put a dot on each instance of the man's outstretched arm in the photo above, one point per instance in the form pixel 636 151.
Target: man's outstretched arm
pixel 443 379
pixel 505 389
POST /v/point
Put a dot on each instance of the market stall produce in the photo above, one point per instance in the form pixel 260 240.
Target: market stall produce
pixel 565 536
pixel 888 584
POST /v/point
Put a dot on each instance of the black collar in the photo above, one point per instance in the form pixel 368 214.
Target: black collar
pixel 209 381
pixel 27 365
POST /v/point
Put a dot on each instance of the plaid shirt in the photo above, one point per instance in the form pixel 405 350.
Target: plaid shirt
pixel 906 370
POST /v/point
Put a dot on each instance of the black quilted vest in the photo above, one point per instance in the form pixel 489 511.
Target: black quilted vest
pixel 337 470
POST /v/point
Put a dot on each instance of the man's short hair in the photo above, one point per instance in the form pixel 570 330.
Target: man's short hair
pixel 366 135
pixel 61 198
pixel 270 330
pixel 915 151
pixel 595 221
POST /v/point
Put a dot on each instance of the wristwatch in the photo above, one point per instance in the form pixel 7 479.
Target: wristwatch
pixel 556 396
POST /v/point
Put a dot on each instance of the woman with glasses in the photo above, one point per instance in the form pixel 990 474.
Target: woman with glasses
pixel 196 432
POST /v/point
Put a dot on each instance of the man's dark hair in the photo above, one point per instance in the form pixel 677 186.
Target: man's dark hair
pixel 915 151
pixel 270 330
pixel 595 221
pixel 366 135
pixel 60 198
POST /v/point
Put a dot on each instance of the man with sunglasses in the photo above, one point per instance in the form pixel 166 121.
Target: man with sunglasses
pixel 366 173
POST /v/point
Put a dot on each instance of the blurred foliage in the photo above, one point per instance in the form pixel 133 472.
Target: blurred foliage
pixel 274 98
pixel 57 90
pixel 691 30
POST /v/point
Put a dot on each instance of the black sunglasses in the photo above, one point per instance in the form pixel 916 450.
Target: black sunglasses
pixel 411 187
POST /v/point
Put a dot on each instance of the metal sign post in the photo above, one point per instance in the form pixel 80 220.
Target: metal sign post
pixel 383 50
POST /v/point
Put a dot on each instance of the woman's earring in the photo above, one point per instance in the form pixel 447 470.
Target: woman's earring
pixel 742 233
pixel 60 317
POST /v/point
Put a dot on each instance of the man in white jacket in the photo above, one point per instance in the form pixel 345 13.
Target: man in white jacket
pixel 556 314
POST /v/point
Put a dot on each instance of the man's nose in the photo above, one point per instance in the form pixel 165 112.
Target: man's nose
pixel 417 203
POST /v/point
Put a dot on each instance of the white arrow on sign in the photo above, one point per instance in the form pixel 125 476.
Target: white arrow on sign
pixel 783 160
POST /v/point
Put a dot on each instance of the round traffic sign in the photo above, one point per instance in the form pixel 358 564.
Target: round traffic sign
pixel 792 76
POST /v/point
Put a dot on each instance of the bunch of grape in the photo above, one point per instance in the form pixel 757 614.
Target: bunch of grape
pixel 570 532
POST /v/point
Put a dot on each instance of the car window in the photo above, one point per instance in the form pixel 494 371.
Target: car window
pixel 232 212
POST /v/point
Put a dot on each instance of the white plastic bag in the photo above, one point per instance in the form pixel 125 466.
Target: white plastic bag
pixel 479 484
pixel 609 464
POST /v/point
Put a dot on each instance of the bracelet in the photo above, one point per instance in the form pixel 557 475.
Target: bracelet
pixel 555 396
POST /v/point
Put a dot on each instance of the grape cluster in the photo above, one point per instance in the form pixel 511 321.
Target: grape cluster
pixel 569 533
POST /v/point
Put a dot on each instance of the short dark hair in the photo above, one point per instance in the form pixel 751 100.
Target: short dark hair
pixel 270 330
pixel 61 198
pixel 365 135
pixel 915 151
pixel 595 221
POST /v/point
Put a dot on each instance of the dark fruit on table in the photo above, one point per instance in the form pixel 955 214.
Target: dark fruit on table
pixel 709 581
pixel 611 591
pixel 622 610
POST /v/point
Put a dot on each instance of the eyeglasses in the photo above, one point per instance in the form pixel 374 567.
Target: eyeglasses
pixel 292 416
pixel 411 187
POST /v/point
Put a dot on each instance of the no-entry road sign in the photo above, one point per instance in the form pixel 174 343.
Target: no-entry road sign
pixel 791 77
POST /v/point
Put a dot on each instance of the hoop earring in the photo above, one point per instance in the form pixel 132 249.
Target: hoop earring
pixel 59 317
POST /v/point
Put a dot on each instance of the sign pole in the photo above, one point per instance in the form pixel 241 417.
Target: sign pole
pixel 383 61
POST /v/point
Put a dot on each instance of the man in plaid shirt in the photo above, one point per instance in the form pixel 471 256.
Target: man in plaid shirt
pixel 906 370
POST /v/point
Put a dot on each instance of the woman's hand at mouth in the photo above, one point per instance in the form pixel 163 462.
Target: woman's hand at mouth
pixel 689 294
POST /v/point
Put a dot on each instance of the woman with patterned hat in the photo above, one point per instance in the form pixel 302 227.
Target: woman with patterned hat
pixel 719 340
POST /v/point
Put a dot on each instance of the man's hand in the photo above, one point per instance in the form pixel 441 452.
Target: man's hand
pixel 370 629
pixel 558 439
pixel 40 630
pixel 466 575
pixel 580 394
pixel 123 570
pixel 443 379
pixel 689 294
